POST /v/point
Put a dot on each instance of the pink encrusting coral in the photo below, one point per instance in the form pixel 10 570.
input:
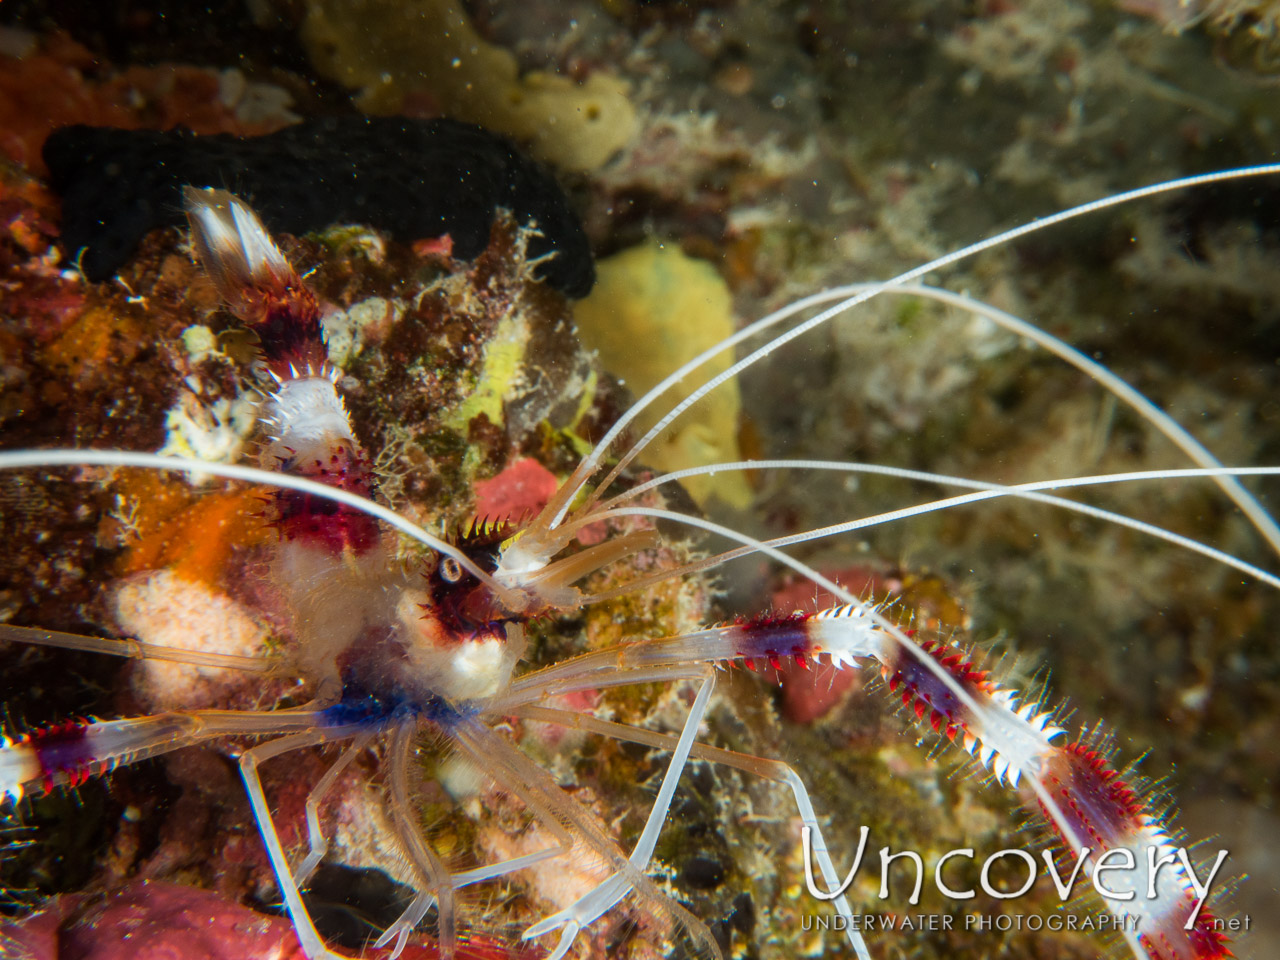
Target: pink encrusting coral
pixel 154 920
pixel 150 920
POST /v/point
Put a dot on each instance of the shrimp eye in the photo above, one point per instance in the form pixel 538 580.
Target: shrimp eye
pixel 451 569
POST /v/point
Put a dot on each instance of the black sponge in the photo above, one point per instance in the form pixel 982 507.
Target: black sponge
pixel 414 179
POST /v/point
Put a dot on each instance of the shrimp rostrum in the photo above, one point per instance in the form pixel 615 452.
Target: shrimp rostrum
pixel 395 650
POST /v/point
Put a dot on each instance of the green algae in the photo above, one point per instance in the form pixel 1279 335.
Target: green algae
pixel 500 370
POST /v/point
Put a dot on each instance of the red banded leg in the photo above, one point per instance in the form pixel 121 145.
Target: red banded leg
pixel 68 753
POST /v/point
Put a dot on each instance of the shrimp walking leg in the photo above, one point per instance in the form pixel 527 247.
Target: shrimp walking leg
pixel 592 905
pixel 774 770
pixel 434 876
pixel 312 943
pixel 319 846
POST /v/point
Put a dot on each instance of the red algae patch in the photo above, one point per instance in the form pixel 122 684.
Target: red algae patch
pixel 521 489
pixel 150 921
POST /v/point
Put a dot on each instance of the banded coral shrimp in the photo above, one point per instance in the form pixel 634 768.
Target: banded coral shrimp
pixel 528 575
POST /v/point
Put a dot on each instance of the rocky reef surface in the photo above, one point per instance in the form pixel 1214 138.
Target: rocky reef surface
pixel 747 153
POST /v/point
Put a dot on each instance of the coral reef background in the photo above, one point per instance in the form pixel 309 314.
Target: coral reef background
pixel 786 145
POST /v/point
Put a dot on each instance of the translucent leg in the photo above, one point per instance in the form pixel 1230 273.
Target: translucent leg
pixel 312 945
pixel 514 771
pixel 427 864
pixel 845 634
pixel 422 903
pixel 136 649
pixel 592 905
pixel 563 844
pixel 319 845
pixel 767 769
pixel 437 884
pixel 611 667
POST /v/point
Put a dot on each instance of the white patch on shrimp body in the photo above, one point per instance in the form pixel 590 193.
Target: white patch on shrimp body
pixel 477 669
pixel 454 668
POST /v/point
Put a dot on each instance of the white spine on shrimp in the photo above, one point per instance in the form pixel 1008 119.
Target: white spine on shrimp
pixel 847 634
pixel 19 766
pixel 957 698
pixel 308 420
pixel 1172 886
pixel 1009 737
